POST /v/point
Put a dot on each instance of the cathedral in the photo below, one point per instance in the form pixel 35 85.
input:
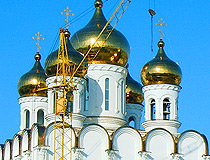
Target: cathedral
pixel 99 117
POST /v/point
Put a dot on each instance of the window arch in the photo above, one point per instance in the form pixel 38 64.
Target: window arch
pixel 27 118
pixel 107 94
pixel 166 109
pixel 152 107
pixel 40 116
pixel 132 121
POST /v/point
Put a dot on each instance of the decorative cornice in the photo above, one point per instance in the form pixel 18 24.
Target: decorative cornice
pixel 161 87
pixel 32 99
pixel 161 123
pixel 107 67
pixel 51 80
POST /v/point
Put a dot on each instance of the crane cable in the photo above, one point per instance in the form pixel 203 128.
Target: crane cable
pixel 152 13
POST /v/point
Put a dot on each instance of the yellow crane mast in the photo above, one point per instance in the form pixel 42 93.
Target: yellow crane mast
pixel 62 130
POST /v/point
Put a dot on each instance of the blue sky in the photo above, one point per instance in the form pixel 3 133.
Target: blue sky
pixel 186 42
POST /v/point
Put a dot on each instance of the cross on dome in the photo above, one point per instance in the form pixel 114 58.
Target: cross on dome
pixel 38 38
pixel 68 13
pixel 161 24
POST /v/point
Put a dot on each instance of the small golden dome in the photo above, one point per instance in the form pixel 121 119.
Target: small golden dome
pixel 74 58
pixel 133 91
pixel 161 70
pixel 32 80
pixel 114 51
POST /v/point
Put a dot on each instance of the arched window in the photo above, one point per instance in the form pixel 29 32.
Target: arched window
pixel 107 94
pixel 40 117
pixel 27 118
pixel 166 108
pixel 132 122
pixel 152 106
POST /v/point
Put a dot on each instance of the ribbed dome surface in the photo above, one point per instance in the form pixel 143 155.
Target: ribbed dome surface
pixel 115 50
pixel 33 80
pixel 133 91
pixel 161 70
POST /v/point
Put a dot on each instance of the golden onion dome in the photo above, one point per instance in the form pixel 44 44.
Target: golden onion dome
pixel 32 80
pixel 114 51
pixel 74 59
pixel 133 91
pixel 161 70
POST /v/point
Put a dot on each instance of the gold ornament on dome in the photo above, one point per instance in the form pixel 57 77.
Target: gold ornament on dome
pixel 68 13
pixel 38 37
pixel 161 24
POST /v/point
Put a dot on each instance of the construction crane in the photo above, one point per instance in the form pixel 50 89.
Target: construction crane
pixel 62 129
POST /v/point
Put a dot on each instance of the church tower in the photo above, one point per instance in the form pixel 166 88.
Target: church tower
pixel 106 74
pixel 161 78
pixel 33 104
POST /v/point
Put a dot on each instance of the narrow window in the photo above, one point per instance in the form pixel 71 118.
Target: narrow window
pixel 40 117
pixel 107 94
pixel 27 113
pixel 122 96
pixel 132 122
pixel 166 109
pixel 86 97
pixel 152 106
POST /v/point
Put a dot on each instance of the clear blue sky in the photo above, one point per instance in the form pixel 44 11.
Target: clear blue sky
pixel 186 42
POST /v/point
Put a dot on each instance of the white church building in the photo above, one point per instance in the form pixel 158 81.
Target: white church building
pixel 104 113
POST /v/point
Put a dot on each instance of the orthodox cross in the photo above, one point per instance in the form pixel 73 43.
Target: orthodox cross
pixel 161 24
pixel 68 13
pixel 38 37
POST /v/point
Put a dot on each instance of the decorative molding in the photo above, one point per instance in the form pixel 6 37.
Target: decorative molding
pixel 51 80
pixel 27 155
pixel 78 153
pixel 42 151
pixel 113 154
pixel 18 157
pixel 206 157
pixel 32 99
pixel 176 156
pixel 108 67
pixel 161 87
pixel 161 123
pixel 145 155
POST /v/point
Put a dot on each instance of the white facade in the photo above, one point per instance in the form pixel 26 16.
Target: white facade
pixel 99 128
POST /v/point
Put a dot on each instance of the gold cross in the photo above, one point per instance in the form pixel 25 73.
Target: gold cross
pixel 38 37
pixel 68 13
pixel 161 24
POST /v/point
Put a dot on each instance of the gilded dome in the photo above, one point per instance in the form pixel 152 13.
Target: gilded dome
pixel 74 58
pixel 161 70
pixel 33 80
pixel 114 51
pixel 133 91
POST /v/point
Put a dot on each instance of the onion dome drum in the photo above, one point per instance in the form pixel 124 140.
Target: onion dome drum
pixel 161 70
pixel 114 51
pixel 32 80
